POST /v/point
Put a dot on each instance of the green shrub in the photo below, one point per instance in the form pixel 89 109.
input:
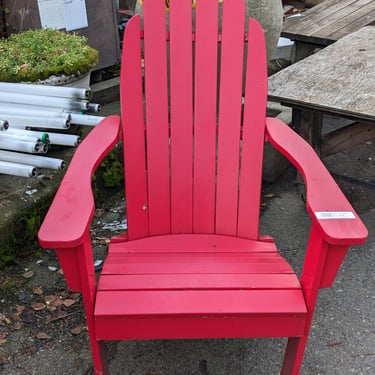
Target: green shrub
pixel 38 54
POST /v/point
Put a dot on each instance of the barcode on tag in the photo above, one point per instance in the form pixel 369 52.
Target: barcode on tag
pixel 334 215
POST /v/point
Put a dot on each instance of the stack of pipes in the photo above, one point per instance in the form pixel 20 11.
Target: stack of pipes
pixel 31 118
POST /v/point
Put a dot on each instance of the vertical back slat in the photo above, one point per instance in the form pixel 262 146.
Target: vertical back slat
pixel 133 132
pixel 157 126
pixel 206 38
pixel 181 78
pixel 230 116
pixel 253 133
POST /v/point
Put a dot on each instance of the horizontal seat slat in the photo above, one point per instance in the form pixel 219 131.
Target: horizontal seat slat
pixel 198 263
pixel 197 243
pixel 197 328
pixel 117 304
pixel 196 282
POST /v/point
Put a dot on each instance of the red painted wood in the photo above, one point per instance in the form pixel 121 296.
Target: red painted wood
pixel 181 77
pixel 335 256
pixel 199 281
pixel 157 122
pixel 322 192
pixel 229 117
pixel 253 133
pixel 205 116
pixel 196 243
pixel 69 264
pixel 200 327
pixel 71 211
pixel 203 302
pixel 131 95
pixel 194 263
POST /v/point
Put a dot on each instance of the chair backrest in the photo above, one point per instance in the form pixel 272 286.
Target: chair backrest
pixel 193 159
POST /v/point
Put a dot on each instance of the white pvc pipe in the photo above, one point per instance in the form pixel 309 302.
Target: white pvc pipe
pixel 44 137
pixel 29 110
pixel 15 169
pixel 58 91
pixel 36 160
pixel 64 139
pixel 33 121
pixel 17 145
pixel 4 125
pixel 86 119
pixel 22 136
pixel 47 101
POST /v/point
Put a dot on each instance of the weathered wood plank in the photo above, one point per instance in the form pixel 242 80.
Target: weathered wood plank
pixel 346 137
pixel 339 79
pixel 341 25
pixel 329 21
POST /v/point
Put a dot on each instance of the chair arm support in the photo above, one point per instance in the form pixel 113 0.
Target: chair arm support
pixel 71 211
pixel 322 192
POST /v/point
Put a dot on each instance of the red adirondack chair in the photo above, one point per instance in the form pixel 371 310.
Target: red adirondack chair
pixel 192 264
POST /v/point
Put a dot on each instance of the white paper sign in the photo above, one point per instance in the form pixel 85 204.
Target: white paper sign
pixel 326 215
pixel 75 14
pixel 52 14
pixel 63 14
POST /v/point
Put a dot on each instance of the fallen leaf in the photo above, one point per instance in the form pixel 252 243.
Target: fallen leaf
pixel 51 308
pixel 76 331
pixel 3 318
pixel 43 336
pixel 38 291
pixel 37 306
pixel 17 326
pixel 57 302
pixel 60 271
pixel 269 195
pixel 28 274
pixel 75 296
pixel 3 341
pixel 49 299
pixel 69 302
pixel 20 308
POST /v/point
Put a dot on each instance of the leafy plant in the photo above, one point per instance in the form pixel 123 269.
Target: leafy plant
pixel 38 54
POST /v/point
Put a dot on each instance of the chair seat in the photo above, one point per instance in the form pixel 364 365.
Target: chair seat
pixel 197 286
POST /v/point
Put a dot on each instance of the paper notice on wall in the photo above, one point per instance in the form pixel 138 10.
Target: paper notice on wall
pixel 63 14
pixel 52 14
pixel 75 14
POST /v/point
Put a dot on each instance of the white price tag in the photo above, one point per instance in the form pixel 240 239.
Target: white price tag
pixel 327 215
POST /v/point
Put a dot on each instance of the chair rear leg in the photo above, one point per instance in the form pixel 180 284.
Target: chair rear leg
pixel 294 355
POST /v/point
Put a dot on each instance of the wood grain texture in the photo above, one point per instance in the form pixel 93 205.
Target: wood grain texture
pixel 205 102
pixel 253 133
pixel 134 133
pixel 181 116
pixel 228 155
pixel 157 117
pixel 339 79
pixel 329 21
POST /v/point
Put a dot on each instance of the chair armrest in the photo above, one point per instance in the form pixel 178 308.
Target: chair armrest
pixel 71 211
pixel 327 205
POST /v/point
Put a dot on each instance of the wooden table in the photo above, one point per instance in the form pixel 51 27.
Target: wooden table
pixel 338 80
pixel 326 23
